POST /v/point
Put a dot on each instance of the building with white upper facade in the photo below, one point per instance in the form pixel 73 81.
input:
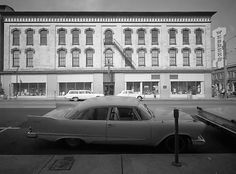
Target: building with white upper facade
pixel 161 54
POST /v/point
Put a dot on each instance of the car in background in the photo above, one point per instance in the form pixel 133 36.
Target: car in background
pixel 76 95
pixel 116 120
pixel 130 93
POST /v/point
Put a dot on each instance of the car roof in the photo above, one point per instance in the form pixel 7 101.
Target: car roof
pixel 107 101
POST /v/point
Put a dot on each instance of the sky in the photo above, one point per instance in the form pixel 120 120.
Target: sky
pixel 225 16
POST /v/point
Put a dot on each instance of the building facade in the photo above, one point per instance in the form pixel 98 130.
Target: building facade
pixel 161 54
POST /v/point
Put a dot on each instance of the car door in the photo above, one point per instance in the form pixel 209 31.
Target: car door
pixel 88 125
pixel 126 127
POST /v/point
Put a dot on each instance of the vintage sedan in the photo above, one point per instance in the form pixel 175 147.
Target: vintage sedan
pixel 130 93
pixel 76 95
pixel 115 120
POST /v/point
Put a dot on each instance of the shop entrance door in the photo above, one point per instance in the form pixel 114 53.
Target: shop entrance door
pixel 108 88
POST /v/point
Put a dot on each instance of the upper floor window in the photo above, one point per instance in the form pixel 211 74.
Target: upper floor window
pixel 186 56
pixel 29 57
pixel 89 57
pixel 75 36
pixel 141 36
pixel 155 56
pixel 75 57
pixel 141 57
pixel 172 56
pixel 43 36
pixel 61 57
pixel 128 36
pixel 15 57
pixel 16 37
pixel 185 33
pixel 198 33
pixel 128 53
pixel 154 33
pixel 89 36
pixel 199 56
pixel 29 36
pixel 108 57
pixel 61 36
pixel 108 37
pixel 172 36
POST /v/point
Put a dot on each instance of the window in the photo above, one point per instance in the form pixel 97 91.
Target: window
pixel 43 36
pixel 61 57
pixel 65 87
pixel 128 53
pixel 16 58
pixel 108 37
pixel 154 33
pixel 62 36
pixel 16 37
pixel 123 114
pixel 108 57
pixel 155 57
pixel 186 87
pixel 75 36
pixel 134 86
pixel 199 56
pixel 29 36
pixel 172 54
pixel 186 55
pixel 89 57
pixel 141 57
pixel 185 33
pixel 141 36
pixel 75 57
pixel 93 114
pixel 89 36
pixel 150 88
pixel 172 35
pixel 29 89
pixel 29 57
pixel 198 33
pixel 128 36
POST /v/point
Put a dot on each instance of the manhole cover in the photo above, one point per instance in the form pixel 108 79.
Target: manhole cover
pixel 63 164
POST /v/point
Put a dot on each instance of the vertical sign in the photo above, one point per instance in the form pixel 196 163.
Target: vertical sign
pixel 218 34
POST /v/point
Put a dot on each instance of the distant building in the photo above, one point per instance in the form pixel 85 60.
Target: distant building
pixel 45 54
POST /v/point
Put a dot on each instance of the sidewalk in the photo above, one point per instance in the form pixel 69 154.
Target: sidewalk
pixel 118 164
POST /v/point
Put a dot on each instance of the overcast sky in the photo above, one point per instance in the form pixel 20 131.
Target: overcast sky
pixel 225 16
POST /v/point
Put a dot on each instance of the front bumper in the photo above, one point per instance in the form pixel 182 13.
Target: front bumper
pixel 199 141
pixel 31 134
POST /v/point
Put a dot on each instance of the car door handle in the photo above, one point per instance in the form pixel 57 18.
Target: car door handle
pixel 110 125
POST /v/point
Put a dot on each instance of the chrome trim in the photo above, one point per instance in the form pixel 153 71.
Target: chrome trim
pixel 199 141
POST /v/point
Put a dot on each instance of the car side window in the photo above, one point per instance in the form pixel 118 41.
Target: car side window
pixel 93 114
pixel 123 114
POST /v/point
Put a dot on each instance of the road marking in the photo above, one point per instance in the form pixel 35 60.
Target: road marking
pixel 2 129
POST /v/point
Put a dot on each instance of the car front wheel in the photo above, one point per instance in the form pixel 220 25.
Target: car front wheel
pixel 139 97
pixel 75 99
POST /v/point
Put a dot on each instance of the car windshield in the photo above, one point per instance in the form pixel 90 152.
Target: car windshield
pixel 148 112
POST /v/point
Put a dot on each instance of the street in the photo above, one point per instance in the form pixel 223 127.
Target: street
pixel 14 141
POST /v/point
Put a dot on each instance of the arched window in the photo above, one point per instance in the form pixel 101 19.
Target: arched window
pixel 128 36
pixel 155 56
pixel 108 37
pixel 154 33
pixel 43 36
pixel 172 36
pixel 186 56
pixel 128 53
pixel 172 56
pixel 89 57
pixel 141 36
pixel 15 57
pixel 141 56
pixel 89 36
pixel 29 36
pixel 199 56
pixel 29 57
pixel 61 36
pixel 16 37
pixel 75 57
pixel 75 36
pixel 185 33
pixel 108 57
pixel 198 33
pixel 61 57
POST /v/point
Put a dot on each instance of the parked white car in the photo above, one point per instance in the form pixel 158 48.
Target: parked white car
pixel 130 93
pixel 115 120
pixel 81 95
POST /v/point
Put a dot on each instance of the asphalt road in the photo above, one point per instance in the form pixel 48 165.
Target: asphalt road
pixel 13 140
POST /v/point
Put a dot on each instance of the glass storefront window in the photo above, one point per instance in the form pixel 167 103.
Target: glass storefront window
pixel 134 86
pixel 150 88
pixel 29 89
pixel 65 87
pixel 182 87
